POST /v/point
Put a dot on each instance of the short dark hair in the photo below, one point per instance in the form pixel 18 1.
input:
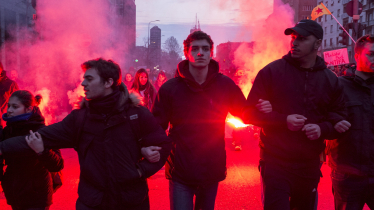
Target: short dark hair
pixel 361 42
pixel 106 69
pixel 197 35
pixel 27 98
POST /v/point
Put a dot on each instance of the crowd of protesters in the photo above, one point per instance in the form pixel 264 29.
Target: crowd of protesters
pixel 119 130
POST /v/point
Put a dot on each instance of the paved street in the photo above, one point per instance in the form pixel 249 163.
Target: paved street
pixel 241 189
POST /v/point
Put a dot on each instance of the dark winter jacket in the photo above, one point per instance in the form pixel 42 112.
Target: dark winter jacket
pixel 314 93
pixel 7 87
pixel 27 180
pixel 353 151
pixel 107 134
pixel 197 116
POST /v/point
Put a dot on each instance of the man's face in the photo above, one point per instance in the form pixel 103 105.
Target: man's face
pixel 365 59
pixel 302 46
pixel 93 86
pixel 199 54
pixel 13 75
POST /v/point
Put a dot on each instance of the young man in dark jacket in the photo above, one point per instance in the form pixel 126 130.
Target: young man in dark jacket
pixel 196 103
pixel 107 132
pixel 306 101
pixel 7 87
pixel 351 156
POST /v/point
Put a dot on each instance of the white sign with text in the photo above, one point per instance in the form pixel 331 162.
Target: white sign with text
pixel 336 57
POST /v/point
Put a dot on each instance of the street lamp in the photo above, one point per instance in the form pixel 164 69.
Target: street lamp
pixel 149 39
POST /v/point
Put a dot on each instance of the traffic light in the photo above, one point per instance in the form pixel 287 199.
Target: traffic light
pixel 344 36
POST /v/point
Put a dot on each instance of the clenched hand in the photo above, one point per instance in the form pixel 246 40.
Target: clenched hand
pixel 295 122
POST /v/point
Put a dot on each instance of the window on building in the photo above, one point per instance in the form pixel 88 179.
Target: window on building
pixel 325 30
pixel 338 13
pixel 326 3
pixel 324 42
pixel 325 18
pixel 338 1
pixel 331 28
pixel 330 41
pixel 320 19
pixel 331 15
pixel 332 3
pixel 337 41
pixel 337 27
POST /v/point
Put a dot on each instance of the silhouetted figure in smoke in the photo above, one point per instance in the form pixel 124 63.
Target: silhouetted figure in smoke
pixel 27 182
pixel 143 86
pixel 196 104
pixel 7 87
pixel 128 80
pixel 109 132
pixel 351 155
pixel 297 101
pixel 161 79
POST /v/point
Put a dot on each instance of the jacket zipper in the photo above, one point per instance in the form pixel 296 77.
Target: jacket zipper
pixel 305 93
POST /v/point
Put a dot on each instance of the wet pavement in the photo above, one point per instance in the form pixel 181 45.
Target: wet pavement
pixel 240 190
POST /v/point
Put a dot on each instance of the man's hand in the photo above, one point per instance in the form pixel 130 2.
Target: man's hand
pixel 295 122
pixel 264 106
pixel 151 153
pixel 312 131
pixel 342 126
pixel 35 142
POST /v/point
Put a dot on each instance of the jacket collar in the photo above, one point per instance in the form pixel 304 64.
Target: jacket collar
pixel 184 73
pixel 318 66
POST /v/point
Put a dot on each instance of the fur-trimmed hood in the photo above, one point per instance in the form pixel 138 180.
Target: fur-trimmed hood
pixel 131 98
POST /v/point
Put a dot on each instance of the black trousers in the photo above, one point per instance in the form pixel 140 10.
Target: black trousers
pixel 284 188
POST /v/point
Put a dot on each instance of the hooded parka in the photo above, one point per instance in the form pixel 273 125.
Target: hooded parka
pixel 27 181
pixel 314 93
pixel 108 134
pixel 197 115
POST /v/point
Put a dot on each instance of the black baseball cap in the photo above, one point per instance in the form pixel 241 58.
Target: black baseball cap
pixel 306 28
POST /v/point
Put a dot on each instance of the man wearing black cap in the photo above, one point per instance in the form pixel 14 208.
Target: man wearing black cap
pixel 306 101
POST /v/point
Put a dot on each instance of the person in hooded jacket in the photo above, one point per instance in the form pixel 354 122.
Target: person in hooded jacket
pixel 143 86
pixel 161 79
pixel 27 181
pixel 109 132
pixel 128 80
pixel 196 103
pixel 7 87
pixel 297 101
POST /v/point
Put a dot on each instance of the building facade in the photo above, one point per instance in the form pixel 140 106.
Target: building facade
pixel 123 14
pixel 302 8
pixel 13 16
pixel 331 39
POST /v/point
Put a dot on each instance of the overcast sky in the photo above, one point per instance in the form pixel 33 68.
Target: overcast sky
pixel 177 17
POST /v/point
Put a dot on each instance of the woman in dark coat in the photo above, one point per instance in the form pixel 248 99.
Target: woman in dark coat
pixel 144 88
pixel 27 181
pixel 161 79
pixel 128 80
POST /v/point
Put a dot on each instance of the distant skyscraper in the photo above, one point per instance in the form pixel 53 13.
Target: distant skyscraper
pixel 155 46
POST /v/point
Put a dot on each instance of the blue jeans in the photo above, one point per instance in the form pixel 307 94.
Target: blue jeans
pixel 181 196
pixel 352 192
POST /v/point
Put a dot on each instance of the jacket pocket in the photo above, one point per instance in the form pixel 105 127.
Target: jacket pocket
pixel 354 114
